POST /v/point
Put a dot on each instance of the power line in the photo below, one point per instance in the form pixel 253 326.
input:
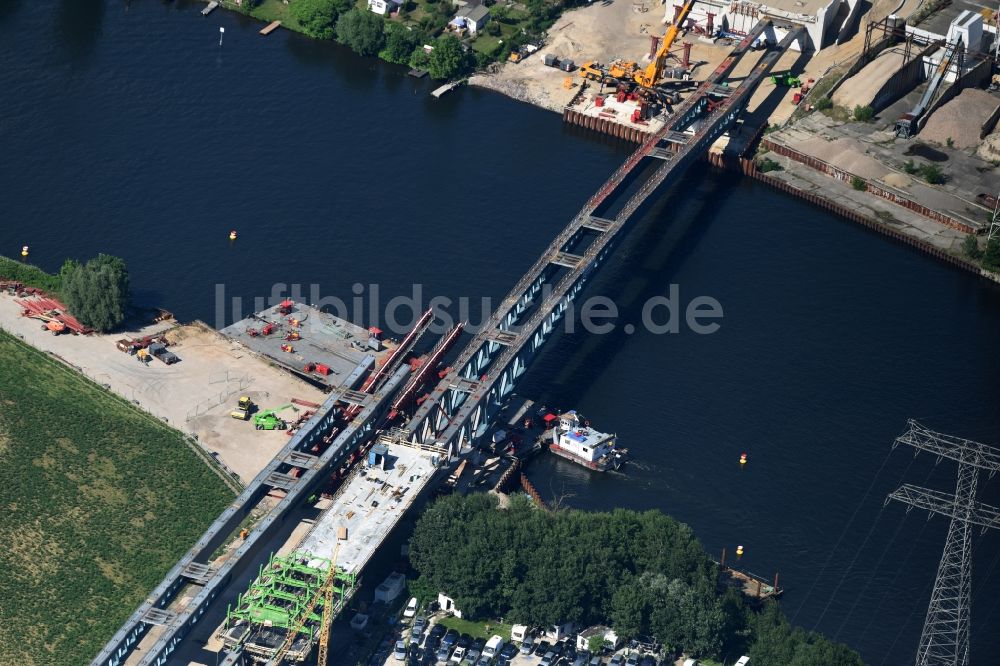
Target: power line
pixel 945 636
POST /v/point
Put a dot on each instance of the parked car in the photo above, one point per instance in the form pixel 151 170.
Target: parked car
pixel 432 644
pixel 617 660
pixel 411 608
pixel 443 653
pixel 548 659
pixel 458 655
pixel 450 638
pixel 438 630
pixel 542 648
pixel 528 646
pixel 596 660
pixel 475 650
pixel 633 659
pixel 582 658
pixel 399 654
pixel 484 661
pixel 509 651
pixel 648 660
pixel 558 648
pixel 465 640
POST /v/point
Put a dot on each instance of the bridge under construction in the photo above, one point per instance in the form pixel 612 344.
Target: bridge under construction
pixel 457 411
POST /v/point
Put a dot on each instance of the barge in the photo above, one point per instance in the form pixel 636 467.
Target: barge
pixel 574 440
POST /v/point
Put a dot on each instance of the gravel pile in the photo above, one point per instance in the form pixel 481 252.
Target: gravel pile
pixel 961 119
pixel 861 89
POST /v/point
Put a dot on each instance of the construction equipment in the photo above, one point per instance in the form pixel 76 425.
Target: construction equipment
pixel 243 409
pixel 326 591
pixel 786 79
pixel 54 326
pixel 142 355
pixel 622 69
pixel 648 77
pixel 592 71
pixel 269 419
pixel 909 123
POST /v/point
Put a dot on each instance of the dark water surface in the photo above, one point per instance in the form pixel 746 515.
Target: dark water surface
pixel 126 129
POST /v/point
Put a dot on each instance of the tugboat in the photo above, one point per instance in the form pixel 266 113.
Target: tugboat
pixel 575 440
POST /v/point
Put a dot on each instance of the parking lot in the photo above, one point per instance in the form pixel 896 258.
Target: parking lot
pixel 428 651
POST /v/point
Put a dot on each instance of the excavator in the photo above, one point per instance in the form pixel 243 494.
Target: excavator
pixel 269 419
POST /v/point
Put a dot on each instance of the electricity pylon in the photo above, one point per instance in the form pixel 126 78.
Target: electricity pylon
pixel 945 637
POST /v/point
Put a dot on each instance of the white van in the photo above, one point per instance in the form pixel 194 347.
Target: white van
pixel 411 608
pixel 518 633
pixel 493 646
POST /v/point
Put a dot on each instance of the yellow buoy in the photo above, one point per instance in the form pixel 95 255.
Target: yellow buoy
pixel 739 551
pixel 232 235
pixel 24 251
pixel 743 459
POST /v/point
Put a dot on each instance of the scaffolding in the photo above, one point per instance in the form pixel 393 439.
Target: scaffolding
pixel 281 601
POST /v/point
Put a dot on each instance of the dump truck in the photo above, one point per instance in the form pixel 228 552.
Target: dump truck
pixel 159 350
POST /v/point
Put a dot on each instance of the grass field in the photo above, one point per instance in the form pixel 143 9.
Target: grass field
pixel 477 629
pixel 97 502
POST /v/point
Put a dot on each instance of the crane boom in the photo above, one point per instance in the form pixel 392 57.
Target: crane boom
pixel 326 591
pixel 648 77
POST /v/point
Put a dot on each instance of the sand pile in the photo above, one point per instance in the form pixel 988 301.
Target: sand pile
pixel 961 119
pixel 843 153
pixel 861 89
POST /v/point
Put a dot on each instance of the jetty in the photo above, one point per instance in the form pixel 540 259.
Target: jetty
pixel 270 27
pixel 209 8
pixel 446 88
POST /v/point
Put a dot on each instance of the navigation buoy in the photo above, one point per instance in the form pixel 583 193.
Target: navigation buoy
pixel 232 235
pixel 739 551
pixel 743 459
pixel 24 251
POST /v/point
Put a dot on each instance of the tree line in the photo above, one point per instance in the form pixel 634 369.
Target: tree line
pixel 644 573
pixel 97 292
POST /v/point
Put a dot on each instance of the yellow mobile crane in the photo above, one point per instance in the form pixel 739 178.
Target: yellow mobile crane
pixel 648 77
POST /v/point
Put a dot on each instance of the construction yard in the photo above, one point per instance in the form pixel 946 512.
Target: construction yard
pixel 99 501
pixel 194 395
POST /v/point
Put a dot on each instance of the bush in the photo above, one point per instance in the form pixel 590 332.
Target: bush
pixel 98 292
pixel 362 31
pixel 863 113
pixel 767 164
pixel 419 58
pixel 317 17
pixel 932 174
pixel 991 258
pixel 858 183
pixel 971 247
pixel 824 103
pixel 28 275
pixel 950 142
pixel 910 167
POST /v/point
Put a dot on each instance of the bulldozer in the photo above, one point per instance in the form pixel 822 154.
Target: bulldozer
pixel 243 409
pixel 269 419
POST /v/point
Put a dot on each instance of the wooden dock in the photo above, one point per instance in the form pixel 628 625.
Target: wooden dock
pixel 446 88
pixel 270 27
pixel 211 7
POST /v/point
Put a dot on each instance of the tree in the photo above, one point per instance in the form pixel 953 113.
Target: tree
pixel 991 258
pixel 448 59
pixel 98 292
pixel 317 17
pixel 362 31
pixel 971 247
pixel 932 174
pixel 863 113
pixel 419 58
pixel 399 43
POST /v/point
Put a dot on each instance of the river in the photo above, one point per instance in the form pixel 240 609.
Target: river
pixel 126 128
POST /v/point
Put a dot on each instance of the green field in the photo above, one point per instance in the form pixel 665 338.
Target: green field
pixel 97 502
pixel 477 629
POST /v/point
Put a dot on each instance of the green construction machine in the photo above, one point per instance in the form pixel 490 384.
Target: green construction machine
pixel 786 79
pixel 269 419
